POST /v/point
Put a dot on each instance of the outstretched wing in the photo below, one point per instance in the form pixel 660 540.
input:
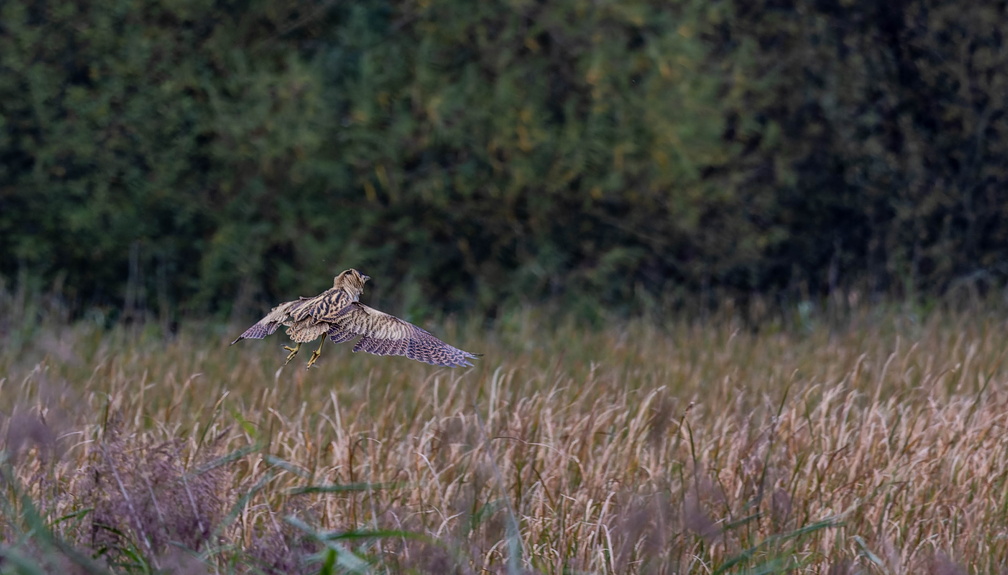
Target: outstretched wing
pixel 280 315
pixel 386 334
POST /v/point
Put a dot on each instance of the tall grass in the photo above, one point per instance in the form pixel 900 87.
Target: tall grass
pixel 878 446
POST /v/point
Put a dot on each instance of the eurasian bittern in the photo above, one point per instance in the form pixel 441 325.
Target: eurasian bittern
pixel 337 313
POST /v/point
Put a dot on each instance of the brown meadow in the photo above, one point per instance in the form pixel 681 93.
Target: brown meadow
pixel 878 446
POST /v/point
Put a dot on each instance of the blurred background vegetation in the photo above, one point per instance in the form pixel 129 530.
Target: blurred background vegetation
pixel 184 157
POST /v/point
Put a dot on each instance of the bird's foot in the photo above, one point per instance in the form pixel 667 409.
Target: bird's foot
pixel 293 351
pixel 315 354
pixel 314 357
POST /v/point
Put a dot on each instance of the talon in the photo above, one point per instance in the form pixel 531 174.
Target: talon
pixel 293 351
pixel 315 354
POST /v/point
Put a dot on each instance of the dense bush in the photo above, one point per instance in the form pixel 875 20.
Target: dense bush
pixel 194 155
pixel 880 131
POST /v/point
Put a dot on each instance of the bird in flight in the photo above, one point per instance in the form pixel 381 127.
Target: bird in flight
pixel 336 313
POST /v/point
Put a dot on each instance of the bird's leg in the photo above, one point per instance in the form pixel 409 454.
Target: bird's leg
pixel 293 351
pixel 315 354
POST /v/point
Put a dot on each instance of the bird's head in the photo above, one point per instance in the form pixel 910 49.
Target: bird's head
pixel 352 281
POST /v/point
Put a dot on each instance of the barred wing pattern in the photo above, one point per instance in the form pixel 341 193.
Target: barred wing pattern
pixel 323 306
pixel 386 334
pixel 280 315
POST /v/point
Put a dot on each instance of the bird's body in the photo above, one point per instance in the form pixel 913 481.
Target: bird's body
pixel 337 313
pixel 306 331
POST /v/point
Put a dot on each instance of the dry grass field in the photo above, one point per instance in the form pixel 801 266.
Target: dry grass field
pixel 697 447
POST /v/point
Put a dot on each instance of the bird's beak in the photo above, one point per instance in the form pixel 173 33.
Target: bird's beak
pixel 366 278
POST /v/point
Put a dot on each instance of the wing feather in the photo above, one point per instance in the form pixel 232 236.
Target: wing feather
pixel 323 307
pixel 279 315
pixel 386 334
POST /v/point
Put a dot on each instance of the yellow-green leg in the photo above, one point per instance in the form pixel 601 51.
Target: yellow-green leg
pixel 315 354
pixel 293 351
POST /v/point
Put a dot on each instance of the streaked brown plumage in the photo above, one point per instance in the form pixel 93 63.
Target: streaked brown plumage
pixel 337 313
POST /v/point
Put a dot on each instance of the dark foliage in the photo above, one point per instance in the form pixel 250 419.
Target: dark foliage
pixel 195 156
pixel 879 129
